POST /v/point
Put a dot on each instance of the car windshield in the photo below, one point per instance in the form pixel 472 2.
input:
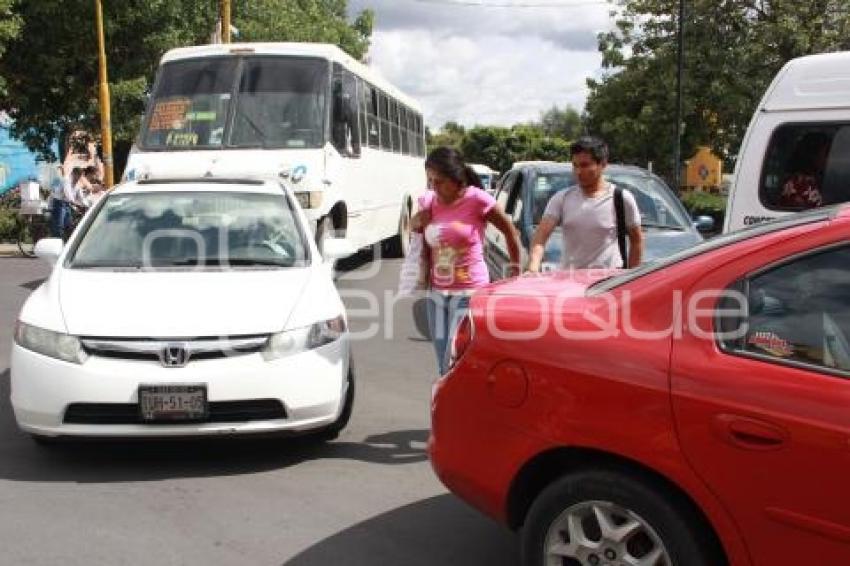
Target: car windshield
pixel 545 185
pixel 657 204
pixel 192 229
pixel 280 102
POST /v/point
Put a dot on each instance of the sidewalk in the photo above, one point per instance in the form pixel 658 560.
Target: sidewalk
pixel 10 250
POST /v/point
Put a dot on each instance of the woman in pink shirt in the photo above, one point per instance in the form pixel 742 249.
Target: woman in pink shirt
pixel 453 216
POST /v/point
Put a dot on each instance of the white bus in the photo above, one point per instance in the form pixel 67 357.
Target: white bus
pixel 350 144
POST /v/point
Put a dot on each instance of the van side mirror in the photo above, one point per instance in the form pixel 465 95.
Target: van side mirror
pixel 704 224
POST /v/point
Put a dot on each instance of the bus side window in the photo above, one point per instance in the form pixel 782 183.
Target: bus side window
pixel 363 98
pixel 374 133
pixel 346 124
pixel 405 135
pixel 394 125
pixel 383 114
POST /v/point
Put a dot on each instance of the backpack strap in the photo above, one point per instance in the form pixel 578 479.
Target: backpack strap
pixel 620 210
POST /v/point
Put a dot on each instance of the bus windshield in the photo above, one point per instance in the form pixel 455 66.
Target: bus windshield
pixel 266 102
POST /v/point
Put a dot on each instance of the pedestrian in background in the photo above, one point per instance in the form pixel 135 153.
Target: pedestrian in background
pixel 587 214
pixel 453 216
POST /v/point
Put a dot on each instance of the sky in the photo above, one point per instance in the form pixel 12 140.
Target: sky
pixel 485 65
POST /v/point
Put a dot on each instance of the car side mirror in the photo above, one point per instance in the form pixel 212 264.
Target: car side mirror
pixel 704 224
pixel 337 248
pixel 49 249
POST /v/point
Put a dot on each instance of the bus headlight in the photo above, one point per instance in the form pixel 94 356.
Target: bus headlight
pixel 309 199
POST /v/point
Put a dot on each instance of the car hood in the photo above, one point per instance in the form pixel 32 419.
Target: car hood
pixel 664 243
pixel 178 304
pixel 658 243
pixel 562 284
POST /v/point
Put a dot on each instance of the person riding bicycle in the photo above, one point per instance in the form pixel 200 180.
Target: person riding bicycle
pixel 68 201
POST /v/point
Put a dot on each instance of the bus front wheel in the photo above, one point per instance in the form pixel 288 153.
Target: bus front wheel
pixel 399 245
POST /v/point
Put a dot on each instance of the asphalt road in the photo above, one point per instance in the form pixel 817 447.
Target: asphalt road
pixel 368 498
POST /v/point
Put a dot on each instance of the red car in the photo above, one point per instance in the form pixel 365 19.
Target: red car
pixel 691 412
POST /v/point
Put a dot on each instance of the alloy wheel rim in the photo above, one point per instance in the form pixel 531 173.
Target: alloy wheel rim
pixel 601 533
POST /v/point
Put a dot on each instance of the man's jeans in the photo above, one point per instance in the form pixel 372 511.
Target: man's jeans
pixel 444 312
pixel 60 218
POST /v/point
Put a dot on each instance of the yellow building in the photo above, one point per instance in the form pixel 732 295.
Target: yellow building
pixel 704 170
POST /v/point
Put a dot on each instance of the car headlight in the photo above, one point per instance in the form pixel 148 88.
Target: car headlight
pixel 46 342
pixel 299 340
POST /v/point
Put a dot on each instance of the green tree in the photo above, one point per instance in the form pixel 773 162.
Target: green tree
pixel 499 147
pixel 565 124
pixel 10 26
pixel 733 50
pixel 451 134
pixel 322 21
pixel 51 65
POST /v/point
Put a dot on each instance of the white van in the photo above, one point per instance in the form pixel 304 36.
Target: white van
pixel 796 153
pixel 488 176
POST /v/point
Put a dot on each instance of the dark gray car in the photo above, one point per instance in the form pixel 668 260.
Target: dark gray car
pixel 524 191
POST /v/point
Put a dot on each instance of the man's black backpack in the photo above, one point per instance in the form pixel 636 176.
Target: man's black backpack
pixel 619 208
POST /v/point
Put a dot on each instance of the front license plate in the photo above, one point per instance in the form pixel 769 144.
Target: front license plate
pixel 173 402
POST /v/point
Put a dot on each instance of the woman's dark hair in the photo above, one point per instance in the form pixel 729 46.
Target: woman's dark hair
pixel 448 162
pixel 804 159
pixel 597 148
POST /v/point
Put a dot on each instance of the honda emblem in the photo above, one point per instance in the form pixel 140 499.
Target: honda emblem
pixel 174 356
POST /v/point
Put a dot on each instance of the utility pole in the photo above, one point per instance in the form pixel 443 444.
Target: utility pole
pixel 680 64
pixel 105 116
pixel 225 21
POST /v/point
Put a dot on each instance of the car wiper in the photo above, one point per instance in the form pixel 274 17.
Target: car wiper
pixel 677 227
pixel 254 126
pixel 238 261
pixel 105 265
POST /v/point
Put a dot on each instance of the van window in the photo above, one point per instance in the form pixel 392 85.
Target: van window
pixel 807 165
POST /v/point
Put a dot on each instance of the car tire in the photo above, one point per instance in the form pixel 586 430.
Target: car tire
pixel 399 245
pixel 657 523
pixel 44 441
pixel 333 430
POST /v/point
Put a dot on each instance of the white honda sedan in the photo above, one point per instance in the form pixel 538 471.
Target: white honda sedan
pixel 188 307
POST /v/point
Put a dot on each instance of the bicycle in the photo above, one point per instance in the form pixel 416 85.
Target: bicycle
pixel 33 226
pixel 30 229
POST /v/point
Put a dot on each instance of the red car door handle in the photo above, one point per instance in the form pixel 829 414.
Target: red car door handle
pixel 749 433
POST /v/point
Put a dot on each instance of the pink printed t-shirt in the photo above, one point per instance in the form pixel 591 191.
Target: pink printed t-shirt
pixel 455 236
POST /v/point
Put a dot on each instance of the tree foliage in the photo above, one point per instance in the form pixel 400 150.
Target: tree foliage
pixel 10 27
pixel 51 65
pixel 733 48
pixel 499 147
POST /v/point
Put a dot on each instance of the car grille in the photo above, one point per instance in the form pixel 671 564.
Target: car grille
pixel 219 412
pixel 151 349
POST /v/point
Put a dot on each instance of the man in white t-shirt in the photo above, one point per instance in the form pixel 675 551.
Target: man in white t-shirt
pixel 587 216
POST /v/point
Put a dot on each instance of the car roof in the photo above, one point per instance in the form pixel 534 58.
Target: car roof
pixel 783 223
pixel 557 166
pixel 201 184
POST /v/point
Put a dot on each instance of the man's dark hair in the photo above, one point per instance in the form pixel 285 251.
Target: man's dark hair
pixel 597 148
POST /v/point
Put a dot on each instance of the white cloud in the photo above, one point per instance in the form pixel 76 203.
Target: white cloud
pixel 477 65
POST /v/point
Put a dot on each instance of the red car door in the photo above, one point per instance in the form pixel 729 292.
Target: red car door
pixel 763 416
